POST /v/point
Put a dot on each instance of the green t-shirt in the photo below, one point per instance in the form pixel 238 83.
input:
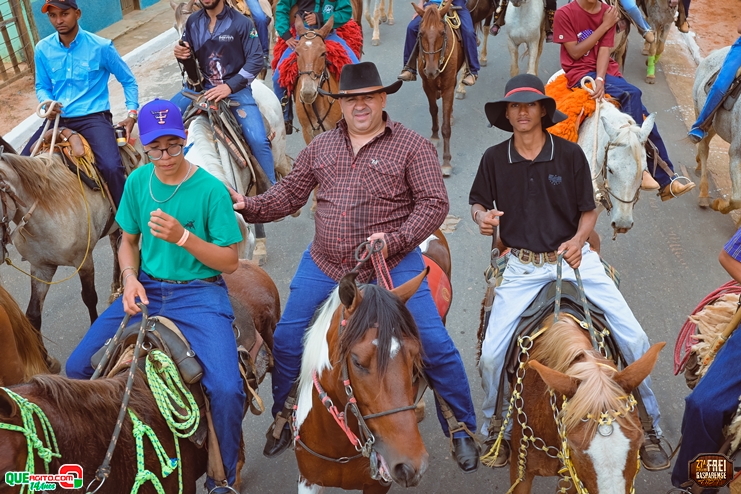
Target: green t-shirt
pixel 202 205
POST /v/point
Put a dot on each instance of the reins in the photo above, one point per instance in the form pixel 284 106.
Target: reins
pixel 442 61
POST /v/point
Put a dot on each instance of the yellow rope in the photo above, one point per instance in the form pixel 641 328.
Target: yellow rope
pixel 452 47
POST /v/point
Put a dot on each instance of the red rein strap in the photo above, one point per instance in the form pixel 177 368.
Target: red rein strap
pixel 382 271
pixel 338 416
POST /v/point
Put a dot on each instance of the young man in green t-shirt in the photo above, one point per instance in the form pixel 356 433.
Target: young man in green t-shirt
pixel 189 236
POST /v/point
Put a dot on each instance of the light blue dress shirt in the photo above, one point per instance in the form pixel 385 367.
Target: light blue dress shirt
pixel 78 76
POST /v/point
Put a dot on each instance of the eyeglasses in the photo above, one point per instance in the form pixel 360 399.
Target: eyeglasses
pixel 172 151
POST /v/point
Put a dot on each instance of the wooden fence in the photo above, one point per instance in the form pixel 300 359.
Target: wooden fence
pixel 18 36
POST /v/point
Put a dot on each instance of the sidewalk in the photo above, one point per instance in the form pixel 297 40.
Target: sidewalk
pixel 128 35
pixel 713 25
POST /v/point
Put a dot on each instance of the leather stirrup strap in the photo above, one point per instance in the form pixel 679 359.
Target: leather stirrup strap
pixel 284 416
pixel 215 463
pixel 646 420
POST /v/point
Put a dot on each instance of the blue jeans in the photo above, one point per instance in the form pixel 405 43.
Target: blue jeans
pixel 629 98
pixel 467 31
pixel 310 287
pixel 280 91
pixel 203 313
pixel 261 24
pixel 709 407
pixel 635 13
pixel 250 119
pixel 98 130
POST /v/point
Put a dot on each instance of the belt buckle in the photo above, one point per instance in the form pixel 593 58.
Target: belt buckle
pixel 523 256
pixel 541 259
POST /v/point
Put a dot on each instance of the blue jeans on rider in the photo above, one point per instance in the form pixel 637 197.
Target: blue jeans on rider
pixel 261 24
pixel 710 406
pixel 635 14
pixel 250 119
pixel 204 314
pixel 629 98
pixel 467 31
pixel 717 92
pixel 310 287
pixel 280 91
pixel 98 130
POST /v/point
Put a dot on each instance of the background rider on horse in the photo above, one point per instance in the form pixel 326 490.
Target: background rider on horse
pixel 537 189
pixel 376 179
pixel 229 54
pixel 72 68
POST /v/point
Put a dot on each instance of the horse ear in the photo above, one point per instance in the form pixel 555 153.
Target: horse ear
pixel 405 291
pixel 326 28
pixel 174 4
pixel 445 8
pixel 612 131
pixel 8 406
pixel 349 294
pixel 191 5
pixel 557 381
pixel 630 377
pixel 647 127
pixel 299 25
pixel 420 11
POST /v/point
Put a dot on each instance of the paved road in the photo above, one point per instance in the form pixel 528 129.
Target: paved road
pixel 667 262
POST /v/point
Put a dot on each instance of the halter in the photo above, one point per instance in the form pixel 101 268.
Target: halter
pixel 323 79
pixel 442 62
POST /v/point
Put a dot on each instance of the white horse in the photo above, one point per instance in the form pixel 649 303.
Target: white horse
pixel 525 21
pixel 727 124
pixel 618 161
pixel 375 14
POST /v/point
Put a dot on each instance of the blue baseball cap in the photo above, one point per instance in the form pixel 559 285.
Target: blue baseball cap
pixel 158 118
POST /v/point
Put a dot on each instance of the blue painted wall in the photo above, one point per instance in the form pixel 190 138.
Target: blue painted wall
pixel 147 3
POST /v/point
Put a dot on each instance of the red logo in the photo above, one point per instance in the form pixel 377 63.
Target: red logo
pixel 76 471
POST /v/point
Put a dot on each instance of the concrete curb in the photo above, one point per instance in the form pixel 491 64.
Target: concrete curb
pixel 20 134
pixel 692 46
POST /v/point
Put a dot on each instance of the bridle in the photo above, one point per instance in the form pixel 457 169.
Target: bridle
pixel 442 62
pixel 323 79
pixel 364 440
pixel 604 186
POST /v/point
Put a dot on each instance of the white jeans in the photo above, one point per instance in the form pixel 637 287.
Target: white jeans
pixel 520 285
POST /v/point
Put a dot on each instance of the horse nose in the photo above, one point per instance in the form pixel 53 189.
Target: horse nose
pixel 432 73
pixel 621 226
pixel 406 475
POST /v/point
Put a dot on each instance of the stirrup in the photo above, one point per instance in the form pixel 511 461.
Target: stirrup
pixel 223 489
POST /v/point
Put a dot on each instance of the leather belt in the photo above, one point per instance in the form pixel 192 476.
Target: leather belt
pixel 211 279
pixel 536 258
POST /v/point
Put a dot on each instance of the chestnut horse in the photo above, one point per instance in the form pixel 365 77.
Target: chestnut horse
pixel 441 57
pixel 598 434
pixel 82 414
pixel 360 356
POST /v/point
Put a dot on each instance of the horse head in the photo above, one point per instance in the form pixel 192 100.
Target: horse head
pixel 311 58
pixel 14 452
pixel 433 38
pixel 597 418
pixel 182 12
pixel 623 165
pixel 380 348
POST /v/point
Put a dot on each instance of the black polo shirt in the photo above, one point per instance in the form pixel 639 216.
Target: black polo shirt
pixel 542 200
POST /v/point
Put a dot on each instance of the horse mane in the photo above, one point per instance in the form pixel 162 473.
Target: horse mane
pixel 381 309
pixel 47 180
pixel 316 353
pixel 430 18
pixel 566 348
pixel 28 340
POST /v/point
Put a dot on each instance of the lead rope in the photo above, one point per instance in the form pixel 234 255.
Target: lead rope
pixel 41 112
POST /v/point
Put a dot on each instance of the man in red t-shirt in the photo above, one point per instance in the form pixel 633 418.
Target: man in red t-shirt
pixel 585 29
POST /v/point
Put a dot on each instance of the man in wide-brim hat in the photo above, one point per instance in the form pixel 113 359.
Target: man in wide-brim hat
pixel 536 188
pixel 377 180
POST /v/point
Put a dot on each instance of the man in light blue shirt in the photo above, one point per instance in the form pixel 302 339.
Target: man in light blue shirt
pixel 73 67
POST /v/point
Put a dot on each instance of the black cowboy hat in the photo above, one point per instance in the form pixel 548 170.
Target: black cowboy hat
pixel 358 76
pixel 523 88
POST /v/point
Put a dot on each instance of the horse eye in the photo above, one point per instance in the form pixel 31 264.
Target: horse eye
pixel 358 364
pixel 323 54
pixel 609 170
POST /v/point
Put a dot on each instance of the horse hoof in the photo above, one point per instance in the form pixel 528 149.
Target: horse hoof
pixel 703 202
pixel 384 18
pixel 650 79
pixel 719 205
pixel 419 411
pixel 260 255
pixel 482 62
pixel 459 95
pixel 391 21
pixel 447 170
pixel 644 52
pixel 435 141
pixel 698 171
pixel 376 42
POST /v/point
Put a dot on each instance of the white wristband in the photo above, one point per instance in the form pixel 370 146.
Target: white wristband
pixel 184 238
pixel 599 79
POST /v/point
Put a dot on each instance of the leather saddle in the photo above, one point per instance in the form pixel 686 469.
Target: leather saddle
pixel 255 358
pixel 733 92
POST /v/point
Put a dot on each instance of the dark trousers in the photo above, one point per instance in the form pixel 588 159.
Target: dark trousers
pixel 98 130
pixel 629 98
pixel 709 407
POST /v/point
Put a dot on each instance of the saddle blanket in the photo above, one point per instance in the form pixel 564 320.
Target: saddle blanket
pixel 576 103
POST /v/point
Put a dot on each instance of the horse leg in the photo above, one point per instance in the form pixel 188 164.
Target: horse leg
pixel 514 50
pixel 39 290
pixel 260 255
pixel 89 295
pixel 305 488
pixel 448 98
pixel 116 283
pixel 703 148
pixel 431 93
pixel 391 13
pixel 376 40
pixel 382 5
pixel 723 205
pixel 460 88
pixel 651 63
pixel 484 51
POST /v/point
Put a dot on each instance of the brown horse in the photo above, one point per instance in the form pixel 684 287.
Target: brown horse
pixel 22 352
pixel 362 351
pixel 598 432
pixel 441 57
pixel 82 414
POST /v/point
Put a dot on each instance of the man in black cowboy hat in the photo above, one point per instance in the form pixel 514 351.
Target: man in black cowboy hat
pixel 537 189
pixel 377 180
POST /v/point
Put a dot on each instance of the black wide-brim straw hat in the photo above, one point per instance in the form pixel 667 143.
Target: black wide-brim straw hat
pixel 360 76
pixel 523 88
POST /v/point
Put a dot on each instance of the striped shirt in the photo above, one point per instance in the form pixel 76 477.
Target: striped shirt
pixel 392 186
pixel 733 246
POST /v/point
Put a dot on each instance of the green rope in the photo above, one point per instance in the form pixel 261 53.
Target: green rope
pixel 28 410
pixel 175 401
pixel 140 429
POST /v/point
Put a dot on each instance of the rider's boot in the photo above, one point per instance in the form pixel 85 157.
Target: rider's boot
pixel 502 458
pixel 654 455
pixel 498 18
pixel 287 104
pixel 470 78
pixel 681 21
pixel 648 182
pixel 279 434
pixel 675 189
pixel 717 92
pixel 549 16
pixel 408 74
pixel 466 453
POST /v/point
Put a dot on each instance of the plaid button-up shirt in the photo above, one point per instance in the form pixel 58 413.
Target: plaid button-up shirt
pixel 392 186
